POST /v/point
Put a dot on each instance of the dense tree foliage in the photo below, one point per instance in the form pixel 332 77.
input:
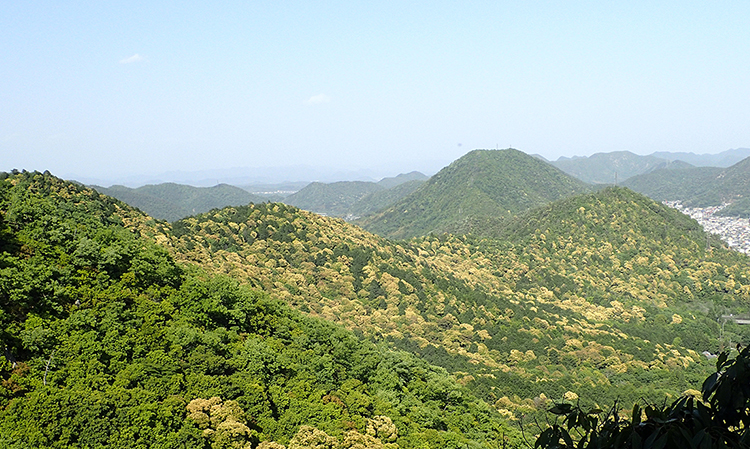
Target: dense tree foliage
pixel 608 294
pixel 673 185
pixel 118 329
pixel 109 343
pixel 718 419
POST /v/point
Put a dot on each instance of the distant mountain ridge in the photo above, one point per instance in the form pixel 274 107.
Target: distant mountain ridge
pixel 482 183
pixel 617 166
pixel 170 201
pixel 331 199
pixel 354 198
pixel 700 187
pixel 280 174
pixel 724 159
pixel 611 168
pixel 662 185
pixel 402 178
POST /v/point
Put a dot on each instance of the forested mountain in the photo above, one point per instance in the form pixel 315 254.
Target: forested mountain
pixel 732 185
pixel 580 218
pixel 108 342
pixel 483 183
pixel 113 340
pixel 618 166
pixel 170 201
pixel 401 179
pixel 612 168
pixel 355 198
pixel 674 184
pixel 377 201
pixel 701 187
pixel 607 296
pixel 333 199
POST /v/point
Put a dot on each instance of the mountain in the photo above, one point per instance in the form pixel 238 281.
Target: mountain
pixel 483 183
pixel 618 166
pixel 732 185
pixel 331 199
pixel 580 217
pixel 171 201
pixel 610 168
pixel 112 320
pixel 381 199
pixel 109 342
pixel 608 296
pixel 724 159
pixel 354 198
pixel 402 178
pixel 681 184
pixel 701 187
pixel 283 189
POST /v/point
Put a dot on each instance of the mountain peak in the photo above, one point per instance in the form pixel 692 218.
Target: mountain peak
pixel 482 183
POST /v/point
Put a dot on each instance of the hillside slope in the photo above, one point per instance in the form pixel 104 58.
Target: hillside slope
pixel 701 187
pixel 604 296
pixel 732 184
pixel 608 290
pixel 382 199
pixel 673 185
pixel 333 199
pixel 170 201
pixel 107 342
pixel 483 183
pixel 394 181
pixel 610 168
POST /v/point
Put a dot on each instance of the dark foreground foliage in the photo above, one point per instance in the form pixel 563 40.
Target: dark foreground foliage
pixel 720 420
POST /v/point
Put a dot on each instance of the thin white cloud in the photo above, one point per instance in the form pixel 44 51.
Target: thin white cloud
pixel 135 58
pixel 318 99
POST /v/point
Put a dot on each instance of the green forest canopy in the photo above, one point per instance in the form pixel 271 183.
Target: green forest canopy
pixel 123 330
pixel 109 342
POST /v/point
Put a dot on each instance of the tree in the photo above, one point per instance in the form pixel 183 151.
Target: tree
pixel 720 419
pixel 222 423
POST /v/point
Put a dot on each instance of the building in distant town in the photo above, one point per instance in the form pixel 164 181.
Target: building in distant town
pixel 733 230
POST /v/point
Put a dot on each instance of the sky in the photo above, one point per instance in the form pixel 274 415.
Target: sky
pixel 114 89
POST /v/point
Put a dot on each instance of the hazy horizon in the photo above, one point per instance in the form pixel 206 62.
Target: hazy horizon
pixel 279 174
pixel 111 91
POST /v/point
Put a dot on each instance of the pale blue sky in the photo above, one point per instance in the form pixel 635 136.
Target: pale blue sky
pixel 104 89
